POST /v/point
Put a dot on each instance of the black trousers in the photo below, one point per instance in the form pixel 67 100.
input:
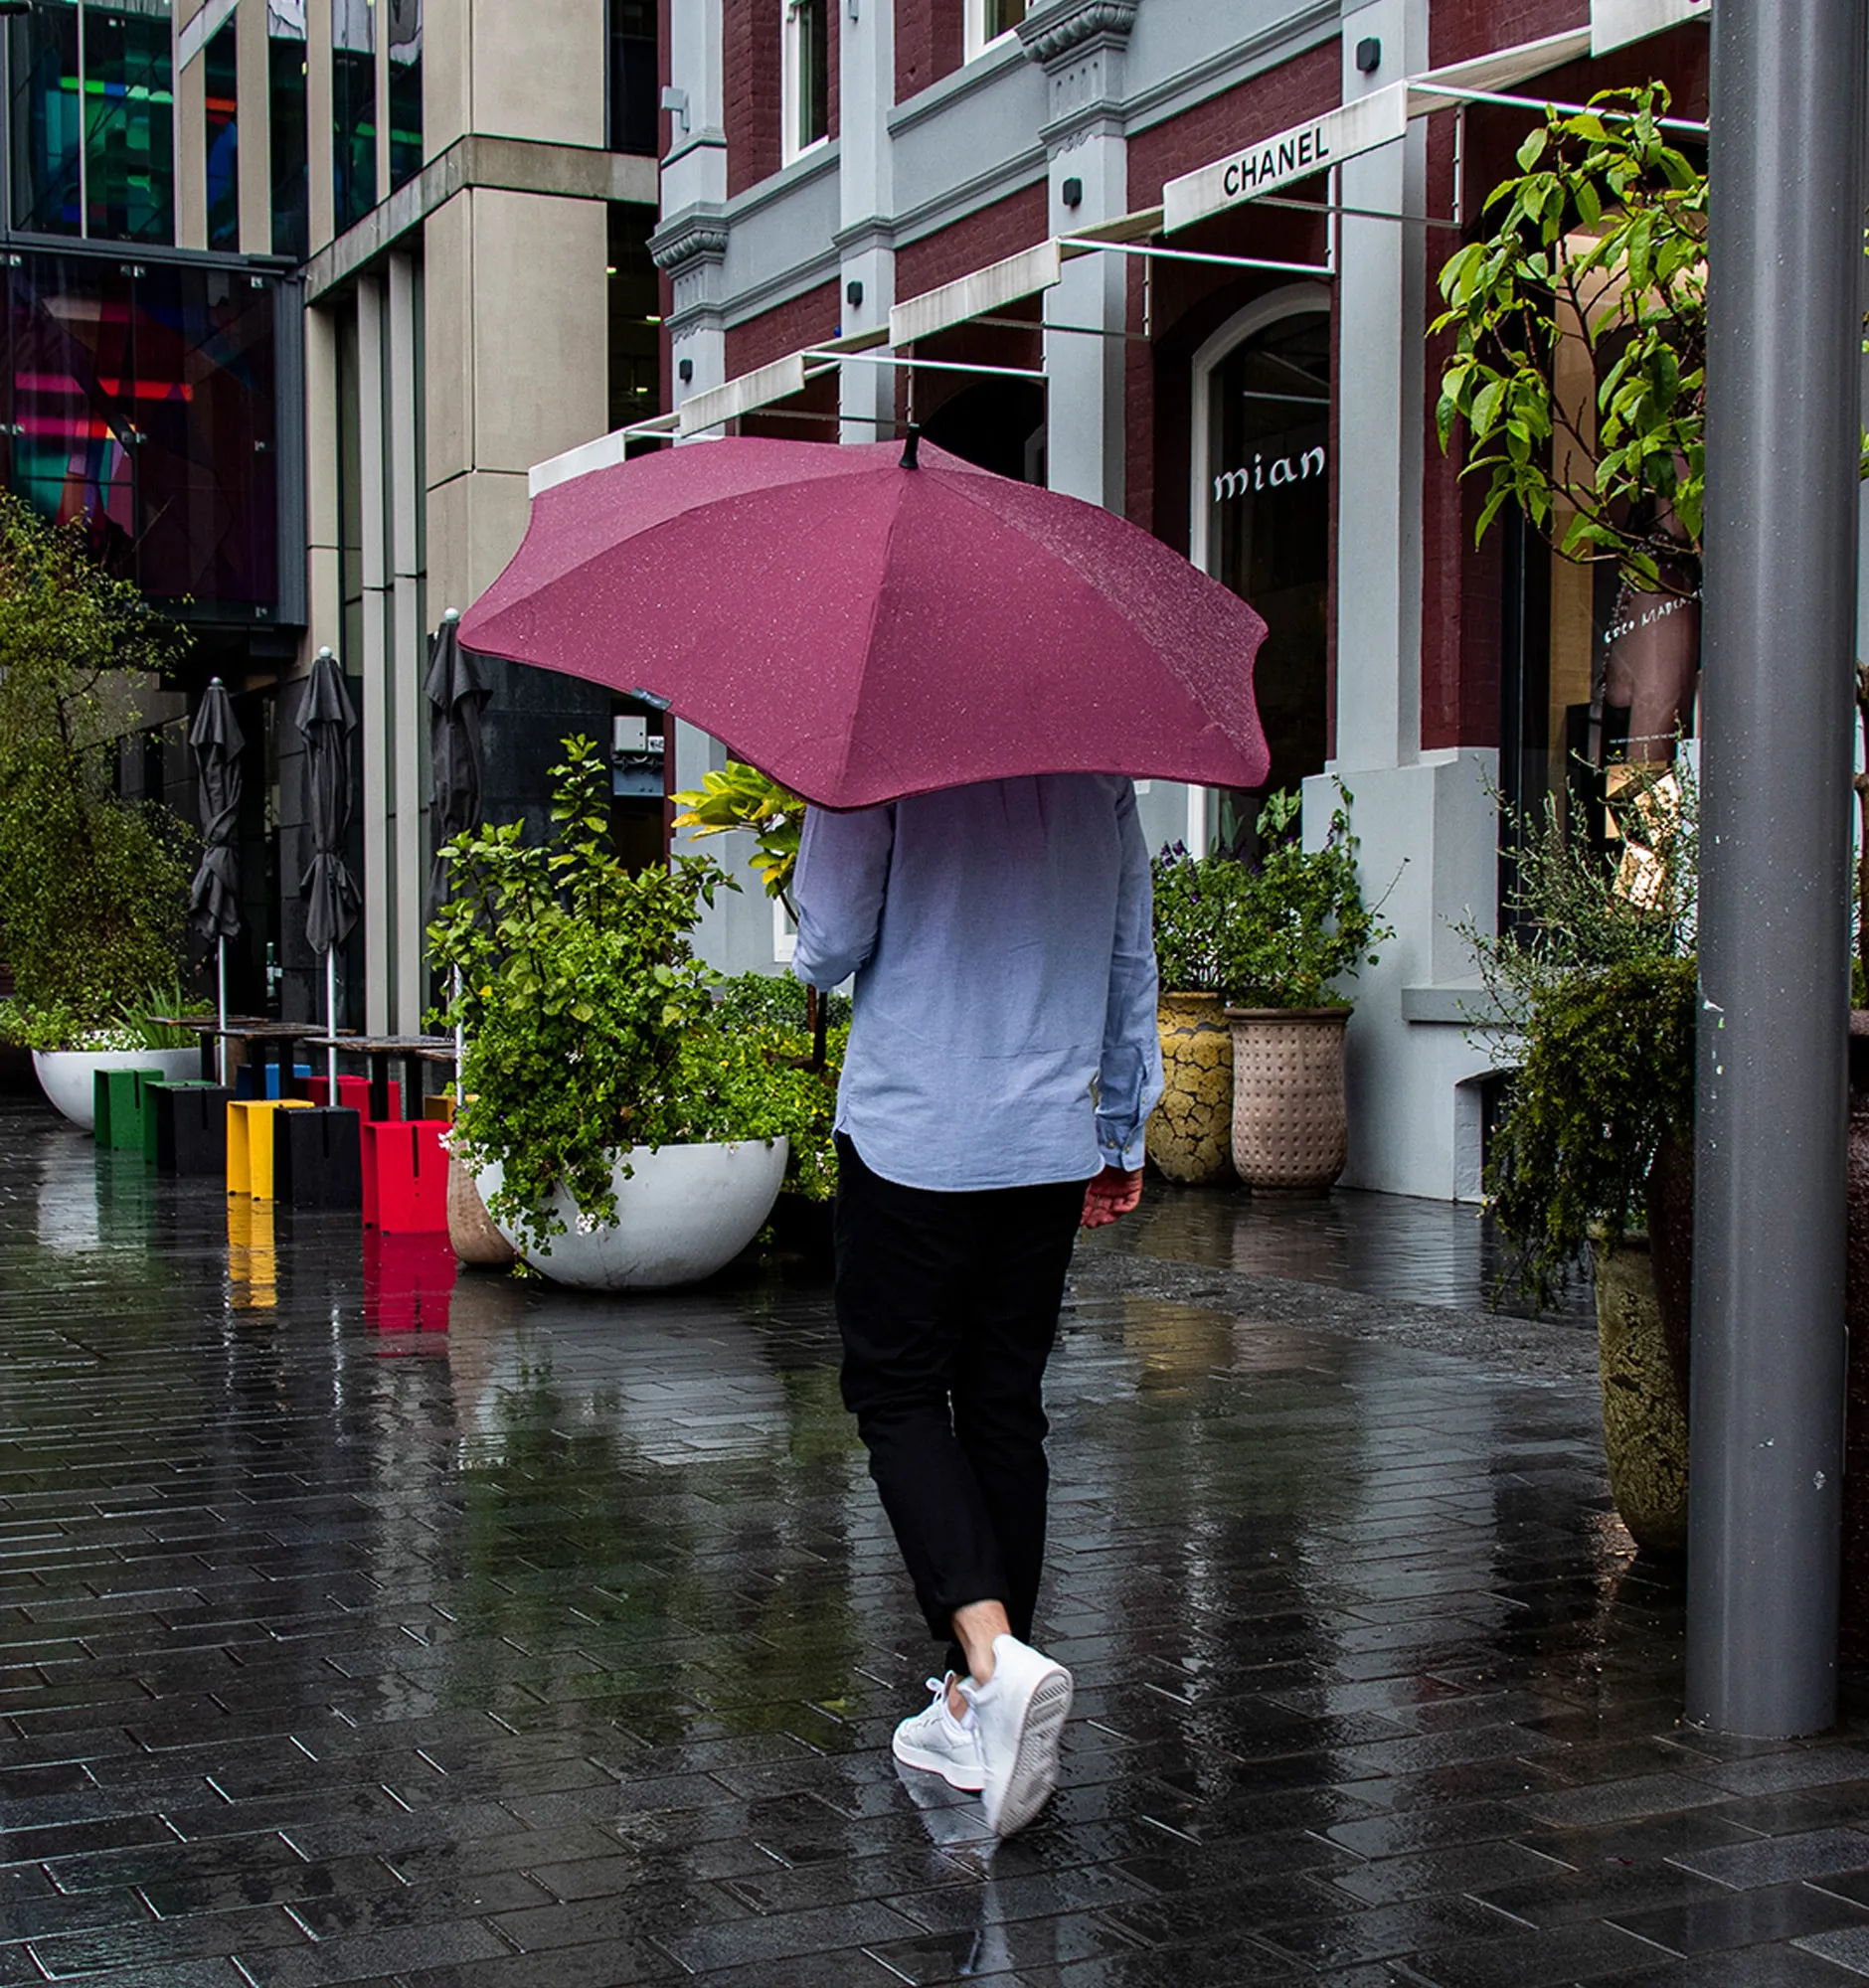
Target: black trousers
pixel 948 1306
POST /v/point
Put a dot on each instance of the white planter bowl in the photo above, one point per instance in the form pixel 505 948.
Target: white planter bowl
pixel 682 1214
pixel 64 1075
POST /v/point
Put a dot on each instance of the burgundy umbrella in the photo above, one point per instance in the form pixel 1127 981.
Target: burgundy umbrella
pixel 863 626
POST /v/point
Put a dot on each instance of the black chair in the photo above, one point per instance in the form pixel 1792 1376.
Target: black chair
pixel 317 1157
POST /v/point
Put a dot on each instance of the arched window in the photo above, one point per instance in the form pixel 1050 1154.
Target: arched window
pixel 1262 516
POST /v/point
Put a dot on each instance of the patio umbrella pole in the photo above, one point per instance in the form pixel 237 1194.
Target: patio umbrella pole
pixel 1783 368
pixel 330 1023
pixel 219 950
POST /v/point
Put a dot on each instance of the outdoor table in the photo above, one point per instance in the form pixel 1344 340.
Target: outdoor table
pixel 381 1052
pixel 207 1027
pixel 276 1041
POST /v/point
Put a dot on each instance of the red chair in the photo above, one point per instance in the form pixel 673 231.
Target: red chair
pixel 405 1175
pixel 353 1095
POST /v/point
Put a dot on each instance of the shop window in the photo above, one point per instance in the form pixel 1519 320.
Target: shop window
pixel 354 109
pixel 631 79
pixel 405 91
pixel 220 65
pixel 44 120
pixel 807 97
pixel 988 20
pixel 286 84
pixel 1262 526
pixel 129 121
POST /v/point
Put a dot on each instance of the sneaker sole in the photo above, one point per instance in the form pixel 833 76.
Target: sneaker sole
pixel 969 1781
pixel 1034 1772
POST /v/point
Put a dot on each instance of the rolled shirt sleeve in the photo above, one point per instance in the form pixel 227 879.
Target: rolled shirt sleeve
pixel 1129 1077
pixel 843 868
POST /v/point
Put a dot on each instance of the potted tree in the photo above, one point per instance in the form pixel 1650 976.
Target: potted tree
pixel 1297 925
pixel 93 889
pixel 621 1133
pixel 1190 1133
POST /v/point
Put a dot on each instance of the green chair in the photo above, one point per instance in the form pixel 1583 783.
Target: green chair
pixel 122 1103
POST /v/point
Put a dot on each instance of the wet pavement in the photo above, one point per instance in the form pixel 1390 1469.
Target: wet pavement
pixel 364 1624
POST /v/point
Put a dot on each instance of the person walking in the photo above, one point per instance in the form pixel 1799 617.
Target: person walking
pixel 1002 1064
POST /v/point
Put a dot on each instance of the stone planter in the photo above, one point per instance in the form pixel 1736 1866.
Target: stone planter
pixel 1290 1124
pixel 682 1214
pixel 1190 1131
pixel 470 1231
pixel 1644 1411
pixel 64 1075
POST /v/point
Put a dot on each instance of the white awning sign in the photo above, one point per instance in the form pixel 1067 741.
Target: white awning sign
pixel 1269 163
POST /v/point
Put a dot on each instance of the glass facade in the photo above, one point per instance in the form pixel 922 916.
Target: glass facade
pixel 287 83
pixel 636 326
pixel 220 65
pixel 91 121
pixel 1268 533
pixel 405 91
pixel 354 109
pixel 631 85
pixel 138 401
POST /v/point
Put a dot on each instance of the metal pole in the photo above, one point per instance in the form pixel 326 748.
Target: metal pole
pixel 330 1023
pixel 1784 352
pixel 219 947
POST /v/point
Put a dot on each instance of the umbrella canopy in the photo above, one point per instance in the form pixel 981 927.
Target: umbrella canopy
pixel 327 719
pixel 457 688
pixel 214 898
pixel 863 626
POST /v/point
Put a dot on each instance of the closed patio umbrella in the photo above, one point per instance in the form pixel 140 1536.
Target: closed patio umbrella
pixel 326 719
pixel 214 898
pixel 457 688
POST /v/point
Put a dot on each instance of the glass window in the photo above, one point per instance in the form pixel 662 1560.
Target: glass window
pixel 129 121
pixel 143 396
pixel 988 20
pixel 405 91
pixel 1268 533
pixel 631 99
pixel 42 119
pixel 807 74
pixel 354 109
pixel 635 367
pixel 221 60
pixel 286 90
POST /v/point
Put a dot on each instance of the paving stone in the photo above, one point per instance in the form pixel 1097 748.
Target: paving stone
pixel 1779 1858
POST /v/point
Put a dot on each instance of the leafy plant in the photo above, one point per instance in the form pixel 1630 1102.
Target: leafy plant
pixel 1595 985
pixel 1195 900
pixel 1600 237
pixel 589 1023
pixel 742 796
pixel 92 887
pixel 1298 923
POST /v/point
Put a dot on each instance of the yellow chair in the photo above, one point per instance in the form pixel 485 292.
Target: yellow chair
pixel 249 1142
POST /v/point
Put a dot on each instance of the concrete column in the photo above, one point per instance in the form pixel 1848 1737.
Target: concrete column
pixel 324 580
pixel 691 244
pixel 320 110
pixel 377 715
pixel 191 156
pixel 866 81
pixel 255 92
pixel 407 734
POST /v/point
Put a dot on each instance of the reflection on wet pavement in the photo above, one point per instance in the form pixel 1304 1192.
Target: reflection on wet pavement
pixel 564 1649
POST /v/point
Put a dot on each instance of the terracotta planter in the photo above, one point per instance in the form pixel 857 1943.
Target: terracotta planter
pixel 1190 1131
pixel 1644 1407
pixel 470 1228
pixel 1290 1124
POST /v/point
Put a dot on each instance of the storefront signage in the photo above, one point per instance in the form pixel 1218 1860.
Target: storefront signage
pixel 1273 475
pixel 1272 162
pixel 1613 24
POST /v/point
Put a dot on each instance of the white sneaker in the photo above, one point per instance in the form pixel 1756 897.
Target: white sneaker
pixel 936 1742
pixel 1021 1711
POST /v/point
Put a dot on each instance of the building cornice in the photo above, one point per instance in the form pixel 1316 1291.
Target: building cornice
pixel 1058 32
pixel 696 235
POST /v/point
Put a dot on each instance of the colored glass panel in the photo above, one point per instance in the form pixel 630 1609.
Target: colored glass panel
pixel 143 403
pixel 129 121
pixel 44 118
pixel 220 67
pixel 286 84
pixel 634 74
pixel 354 109
pixel 405 91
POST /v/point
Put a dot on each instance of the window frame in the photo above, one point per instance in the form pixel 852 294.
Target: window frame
pixel 979 40
pixel 792 144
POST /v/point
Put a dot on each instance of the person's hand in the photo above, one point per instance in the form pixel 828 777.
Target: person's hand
pixel 1112 1194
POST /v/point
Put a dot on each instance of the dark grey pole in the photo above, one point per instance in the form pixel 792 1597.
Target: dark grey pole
pixel 1783 438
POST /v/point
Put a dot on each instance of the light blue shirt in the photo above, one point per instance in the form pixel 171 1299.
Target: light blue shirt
pixel 1000 935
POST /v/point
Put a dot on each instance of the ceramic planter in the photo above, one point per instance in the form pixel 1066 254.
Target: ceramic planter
pixel 64 1075
pixel 1644 1415
pixel 683 1213
pixel 1190 1131
pixel 1290 1126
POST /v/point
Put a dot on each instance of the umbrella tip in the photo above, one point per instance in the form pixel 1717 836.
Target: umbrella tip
pixel 911 448
pixel 327 650
pixel 451 614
